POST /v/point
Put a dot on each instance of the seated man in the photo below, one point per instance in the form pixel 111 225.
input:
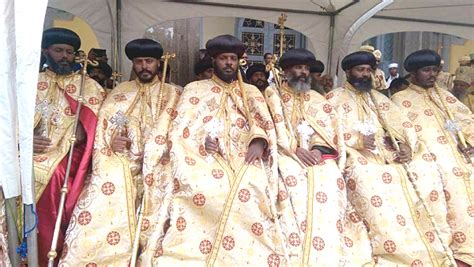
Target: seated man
pixel 218 205
pixel 306 127
pixel 447 126
pixel 104 225
pixel 391 177
pixel 57 97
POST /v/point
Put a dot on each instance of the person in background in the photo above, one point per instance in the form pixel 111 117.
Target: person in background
pixel 203 69
pixel 444 79
pixel 257 76
pixel 316 70
pixel 462 90
pixel 379 75
pixel 267 59
pixel 327 82
pixel 397 85
pixel 393 73
pixel 98 54
pixel 100 73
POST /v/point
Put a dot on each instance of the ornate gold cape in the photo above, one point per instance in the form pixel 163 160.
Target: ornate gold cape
pixel 52 88
pixel 103 225
pixel 315 192
pixel 427 113
pixel 216 210
pixel 379 188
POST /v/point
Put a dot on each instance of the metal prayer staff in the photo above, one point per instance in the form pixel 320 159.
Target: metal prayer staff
pixel 52 254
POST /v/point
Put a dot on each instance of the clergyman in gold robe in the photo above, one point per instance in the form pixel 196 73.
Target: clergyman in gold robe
pixel 218 207
pixel 306 127
pixel 104 221
pixel 400 228
pixel 446 125
pixel 57 96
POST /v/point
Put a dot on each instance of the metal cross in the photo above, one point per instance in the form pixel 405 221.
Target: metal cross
pixel 119 119
pixel 46 110
pixel 452 126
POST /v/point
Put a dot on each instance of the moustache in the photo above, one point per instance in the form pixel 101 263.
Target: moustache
pixel 144 71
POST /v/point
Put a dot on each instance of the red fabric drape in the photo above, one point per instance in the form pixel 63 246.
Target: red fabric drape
pixel 48 204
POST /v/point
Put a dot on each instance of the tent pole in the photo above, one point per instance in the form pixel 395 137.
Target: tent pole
pixel 31 222
pixel 11 213
pixel 32 237
pixel 331 42
pixel 118 39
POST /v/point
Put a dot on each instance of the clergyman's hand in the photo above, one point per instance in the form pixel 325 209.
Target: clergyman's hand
pixel 41 144
pixel 369 141
pixel 404 155
pixel 119 143
pixel 469 150
pixel 211 145
pixel 256 149
pixel 309 158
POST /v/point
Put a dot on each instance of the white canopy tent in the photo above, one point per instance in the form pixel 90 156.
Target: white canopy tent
pixel 330 26
pixel 333 27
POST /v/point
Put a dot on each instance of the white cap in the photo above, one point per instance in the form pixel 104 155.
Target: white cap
pixel 393 65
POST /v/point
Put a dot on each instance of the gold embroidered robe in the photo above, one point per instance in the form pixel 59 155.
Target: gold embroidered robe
pixel 314 192
pixel 399 228
pixel 103 225
pixel 427 113
pixel 57 100
pixel 215 209
pixel 53 88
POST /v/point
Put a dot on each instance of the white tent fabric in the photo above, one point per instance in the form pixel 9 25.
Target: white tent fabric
pixel 20 34
pixel 310 17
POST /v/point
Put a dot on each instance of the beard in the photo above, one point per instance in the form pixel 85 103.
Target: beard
pixel 59 67
pixel 145 76
pixel 228 78
pixel 299 83
pixel 261 84
pixel 361 84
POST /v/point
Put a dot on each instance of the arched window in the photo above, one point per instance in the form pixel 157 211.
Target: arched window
pixel 262 37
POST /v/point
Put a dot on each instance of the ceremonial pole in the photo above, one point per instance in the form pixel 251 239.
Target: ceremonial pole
pixel 64 190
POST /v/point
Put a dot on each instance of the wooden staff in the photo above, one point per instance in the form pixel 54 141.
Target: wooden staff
pixel 52 254
pixel 138 229
pixel 412 179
